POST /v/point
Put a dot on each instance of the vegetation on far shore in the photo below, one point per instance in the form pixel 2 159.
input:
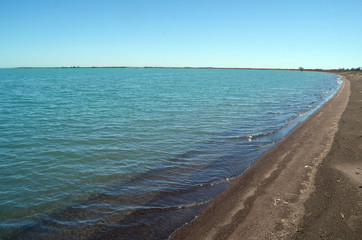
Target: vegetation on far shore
pixel 300 68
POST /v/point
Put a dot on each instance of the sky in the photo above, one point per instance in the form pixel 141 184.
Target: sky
pixel 188 33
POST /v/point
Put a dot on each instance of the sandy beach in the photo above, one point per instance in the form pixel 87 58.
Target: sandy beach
pixel 308 186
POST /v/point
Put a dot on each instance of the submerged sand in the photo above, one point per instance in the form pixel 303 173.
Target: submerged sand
pixel 308 186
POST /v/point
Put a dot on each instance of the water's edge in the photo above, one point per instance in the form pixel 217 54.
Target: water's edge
pixel 291 127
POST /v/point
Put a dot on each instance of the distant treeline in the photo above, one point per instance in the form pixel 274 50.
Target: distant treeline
pixel 351 69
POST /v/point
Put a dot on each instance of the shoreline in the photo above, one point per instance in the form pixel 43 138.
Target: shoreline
pixel 268 200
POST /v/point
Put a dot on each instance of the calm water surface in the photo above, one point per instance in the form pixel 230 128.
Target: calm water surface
pixel 135 153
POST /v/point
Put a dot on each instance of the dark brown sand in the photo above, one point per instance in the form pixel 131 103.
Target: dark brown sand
pixel 306 187
pixel 334 210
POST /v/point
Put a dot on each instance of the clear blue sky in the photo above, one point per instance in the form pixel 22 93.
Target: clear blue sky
pixel 223 33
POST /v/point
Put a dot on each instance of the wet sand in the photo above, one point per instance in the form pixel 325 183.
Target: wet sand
pixel 308 186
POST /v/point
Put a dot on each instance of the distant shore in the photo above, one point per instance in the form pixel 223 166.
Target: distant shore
pixel 308 186
pixel 157 68
pixel 342 70
pixel 65 67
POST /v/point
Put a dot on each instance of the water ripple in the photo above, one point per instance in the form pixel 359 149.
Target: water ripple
pixel 85 150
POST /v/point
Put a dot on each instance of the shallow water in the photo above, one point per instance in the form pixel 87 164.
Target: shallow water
pixel 135 153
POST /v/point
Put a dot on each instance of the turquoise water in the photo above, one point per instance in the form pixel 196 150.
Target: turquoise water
pixel 87 153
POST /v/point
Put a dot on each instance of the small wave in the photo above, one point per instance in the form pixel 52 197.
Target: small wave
pixel 143 209
pixel 267 145
pixel 250 137
pixel 277 113
pixel 292 119
pixel 181 206
pixel 228 179
pixel 258 135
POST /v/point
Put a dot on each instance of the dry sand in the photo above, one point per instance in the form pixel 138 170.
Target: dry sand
pixel 334 210
pixel 306 187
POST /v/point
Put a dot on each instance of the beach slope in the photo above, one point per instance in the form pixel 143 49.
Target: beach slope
pixel 275 198
pixel 334 210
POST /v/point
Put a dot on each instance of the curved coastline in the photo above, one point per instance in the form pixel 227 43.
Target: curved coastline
pixel 267 201
pixel 119 232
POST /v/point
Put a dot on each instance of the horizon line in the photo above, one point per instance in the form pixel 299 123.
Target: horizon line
pixel 185 67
